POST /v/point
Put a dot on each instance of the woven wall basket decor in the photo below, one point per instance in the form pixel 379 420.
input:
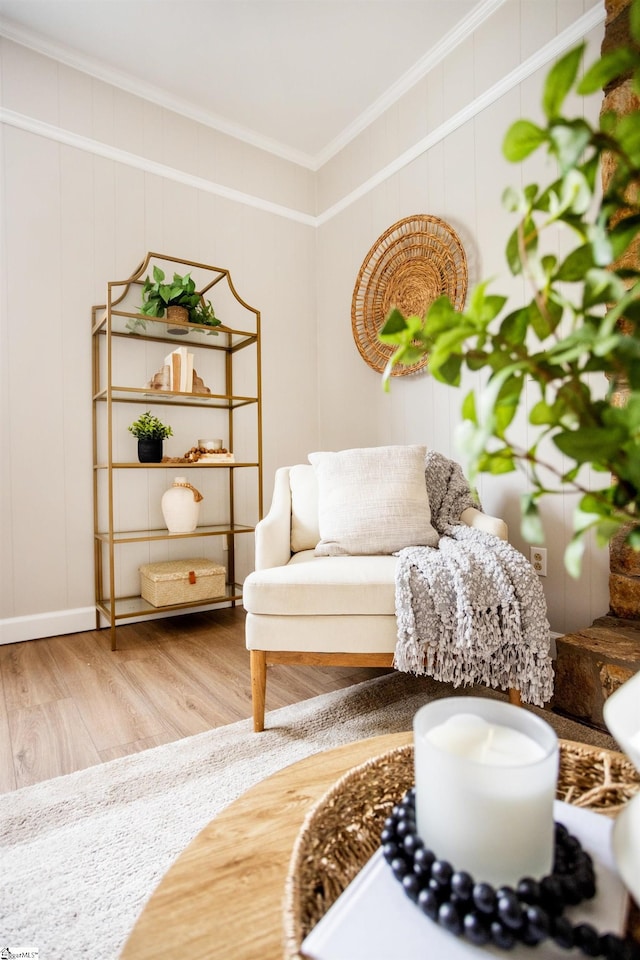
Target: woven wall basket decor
pixel 412 264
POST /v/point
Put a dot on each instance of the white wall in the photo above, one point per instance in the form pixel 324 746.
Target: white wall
pixel 73 220
pixel 78 212
pixel 459 177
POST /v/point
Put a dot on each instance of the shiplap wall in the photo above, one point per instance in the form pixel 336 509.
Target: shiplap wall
pixel 460 179
pixel 73 220
pixel 77 213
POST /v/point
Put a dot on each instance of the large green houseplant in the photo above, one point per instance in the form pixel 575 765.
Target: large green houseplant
pixel 583 316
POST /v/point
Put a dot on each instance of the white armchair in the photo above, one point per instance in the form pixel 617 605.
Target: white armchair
pixel 319 610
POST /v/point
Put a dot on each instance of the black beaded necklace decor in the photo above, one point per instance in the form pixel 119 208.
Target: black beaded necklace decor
pixel 529 913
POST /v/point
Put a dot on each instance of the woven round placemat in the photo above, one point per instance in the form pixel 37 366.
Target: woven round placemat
pixel 342 831
pixel 414 262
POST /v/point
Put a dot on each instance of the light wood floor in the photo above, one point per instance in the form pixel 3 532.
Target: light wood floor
pixel 69 702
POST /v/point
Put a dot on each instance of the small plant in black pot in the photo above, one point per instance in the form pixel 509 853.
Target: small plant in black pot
pixel 150 433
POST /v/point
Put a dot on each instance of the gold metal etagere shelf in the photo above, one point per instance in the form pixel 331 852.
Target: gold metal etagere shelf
pixel 117 320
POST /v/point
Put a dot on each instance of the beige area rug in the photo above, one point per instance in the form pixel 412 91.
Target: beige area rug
pixel 82 853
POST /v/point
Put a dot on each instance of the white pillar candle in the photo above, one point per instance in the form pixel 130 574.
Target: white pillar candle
pixel 485 774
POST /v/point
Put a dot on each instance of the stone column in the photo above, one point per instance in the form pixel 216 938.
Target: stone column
pixel 624 579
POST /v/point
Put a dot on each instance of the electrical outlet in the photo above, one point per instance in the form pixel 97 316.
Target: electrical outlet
pixel 538 557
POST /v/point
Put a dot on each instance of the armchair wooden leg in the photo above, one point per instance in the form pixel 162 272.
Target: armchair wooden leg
pixel 514 697
pixel 258 687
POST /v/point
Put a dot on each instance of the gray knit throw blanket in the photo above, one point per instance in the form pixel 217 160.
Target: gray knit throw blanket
pixel 472 610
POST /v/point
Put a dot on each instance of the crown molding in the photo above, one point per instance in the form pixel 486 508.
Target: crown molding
pixel 95 68
pixel 99 149
pixel 162 98
pixel 481 12
pixel 550 51
pixel 555 48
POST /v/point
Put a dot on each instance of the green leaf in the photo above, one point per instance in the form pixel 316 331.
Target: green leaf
pixel 406 332
pixel 514 327
pixel 449 371
pixel 507 403
pixel 491 308
pixel 530 524
pixel 469 407
pixel 477 359
pixel 571 396
pixel 592 503
pixel 544 321
pixel 477 299
pixel 559 81
pixel 525 234
pixel 499 461
pixel 624 232
pixel 588 444
pixel 606 530
pixel 449 341
pixel 608 121
pixel 394 323
pixel 512 253
pixel 542 414
pixel 575 265
pixel 600 243
pixel 519 201
pixel 575 194
pixel 153 308
pixel 569 140
pixel 601 286
pixel 629 137
pixel 573 555
pixel 158 274
pixel 512 200
pixel 441 316
pixel 610 66
pixel 591 171
pixel 522 138
pixel 634 21
pixel 549 264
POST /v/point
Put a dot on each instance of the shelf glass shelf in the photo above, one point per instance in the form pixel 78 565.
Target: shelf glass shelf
pixel 145 394
pixel 127 346
pixel 136 536
pixel 173 465
pixel 123 322
pixel 125 607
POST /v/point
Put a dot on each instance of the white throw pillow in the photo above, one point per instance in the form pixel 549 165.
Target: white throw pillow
pixel 304 507
pixel 372 500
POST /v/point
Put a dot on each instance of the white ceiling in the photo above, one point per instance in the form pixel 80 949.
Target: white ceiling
pixel 295 76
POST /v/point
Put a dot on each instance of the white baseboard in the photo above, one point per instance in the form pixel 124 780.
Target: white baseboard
pixel 53 624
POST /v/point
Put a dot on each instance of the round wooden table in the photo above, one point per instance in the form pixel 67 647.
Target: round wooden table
pixel 223 897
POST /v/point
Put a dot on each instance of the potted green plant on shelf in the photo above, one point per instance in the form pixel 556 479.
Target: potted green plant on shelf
pixel 150 433
pixel 178 298
pixel 582 318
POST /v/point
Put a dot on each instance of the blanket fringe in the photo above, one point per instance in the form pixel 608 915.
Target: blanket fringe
pixel 473 611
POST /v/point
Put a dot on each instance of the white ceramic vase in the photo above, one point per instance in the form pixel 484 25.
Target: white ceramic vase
pixel 181 506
